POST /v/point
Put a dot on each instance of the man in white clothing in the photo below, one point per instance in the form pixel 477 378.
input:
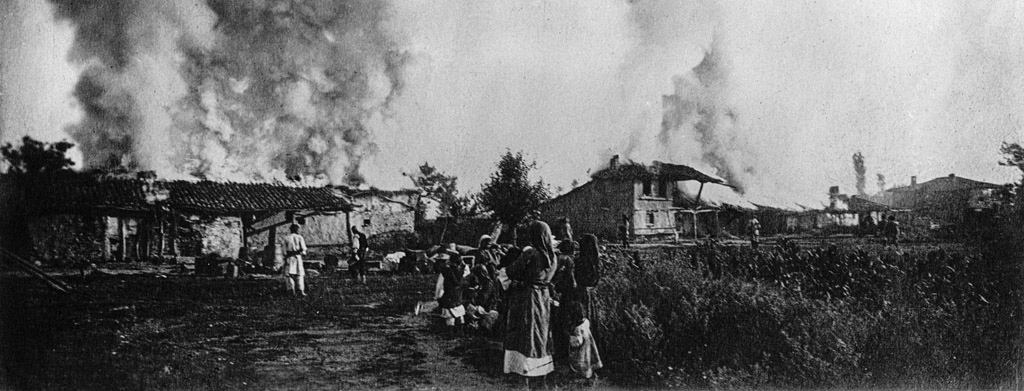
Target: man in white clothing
pixel 294 271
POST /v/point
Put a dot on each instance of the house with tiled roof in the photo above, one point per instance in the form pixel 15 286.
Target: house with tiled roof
pixel 75 215
pixel 647 198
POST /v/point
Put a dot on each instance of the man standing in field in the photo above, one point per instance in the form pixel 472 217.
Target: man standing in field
pixel 357 265
pixel 754 229
pixel 295 272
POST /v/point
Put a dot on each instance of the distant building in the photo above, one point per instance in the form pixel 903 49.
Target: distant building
pixel 950 199
pixel 647 196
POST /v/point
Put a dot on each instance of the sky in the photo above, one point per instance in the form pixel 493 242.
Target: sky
pixel 775 96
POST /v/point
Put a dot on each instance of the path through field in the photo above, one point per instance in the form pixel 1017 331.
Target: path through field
pixel 151 331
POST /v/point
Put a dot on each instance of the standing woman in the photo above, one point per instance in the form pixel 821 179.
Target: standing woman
pixel 528 349
pixel 588 274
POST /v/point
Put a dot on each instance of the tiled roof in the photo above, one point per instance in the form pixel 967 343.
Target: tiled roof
pixel 69 193
pixel 637 171
pixel 221 197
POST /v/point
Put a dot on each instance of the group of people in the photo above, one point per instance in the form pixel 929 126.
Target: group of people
pixel 540 298
pixel 295 249
pixel 887 228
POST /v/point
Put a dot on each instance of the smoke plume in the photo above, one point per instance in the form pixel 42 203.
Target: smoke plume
pixel 861 172
pixel 233 89
pixel 772 95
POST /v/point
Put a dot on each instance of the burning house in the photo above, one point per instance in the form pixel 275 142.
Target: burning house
pixel 647 197
pixel 79 216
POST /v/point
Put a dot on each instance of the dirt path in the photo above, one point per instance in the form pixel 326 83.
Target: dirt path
pixel 183 332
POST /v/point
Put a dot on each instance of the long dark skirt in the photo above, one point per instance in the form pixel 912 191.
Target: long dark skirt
pixel 527 344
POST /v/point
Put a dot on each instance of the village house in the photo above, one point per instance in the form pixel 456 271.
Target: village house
pixel 85 216
pixel 647 197
pixel 949 200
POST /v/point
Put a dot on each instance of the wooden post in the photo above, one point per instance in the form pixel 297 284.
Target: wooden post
pixel 121 232
pixel 701 190
pixel 348 226
pixel 271 247
pixel 718 225
pixel 106 239
pixel 174 235
pixel 163 241
pixel 695 218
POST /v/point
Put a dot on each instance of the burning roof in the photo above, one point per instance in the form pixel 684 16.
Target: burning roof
pixel 657 170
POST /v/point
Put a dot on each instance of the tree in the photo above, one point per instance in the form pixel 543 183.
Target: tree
pixel 881 182
pixel 37 157
pixel 1014 155
pixel 510 195
pixel 444 188
pixel 860 170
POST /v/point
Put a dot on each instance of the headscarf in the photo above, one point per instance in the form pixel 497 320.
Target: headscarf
pixel 484 239
pixel 540 239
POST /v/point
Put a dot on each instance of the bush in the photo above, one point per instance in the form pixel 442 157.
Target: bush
pixel 716 316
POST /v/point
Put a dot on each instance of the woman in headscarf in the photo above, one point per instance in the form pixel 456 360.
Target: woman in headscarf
pixel 485 253
pixel 528 349
pixel 588 274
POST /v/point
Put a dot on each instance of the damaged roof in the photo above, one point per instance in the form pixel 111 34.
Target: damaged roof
pixel 71 193
pixel 858 204
pixel 657 170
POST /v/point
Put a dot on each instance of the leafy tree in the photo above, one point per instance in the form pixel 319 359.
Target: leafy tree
pixel 510 195
pixel 443 188
pixel 37 157
pixel 1014 155
pixel 881 182
pixel 860 170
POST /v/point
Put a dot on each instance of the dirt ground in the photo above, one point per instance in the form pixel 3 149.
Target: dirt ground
pixel 151 330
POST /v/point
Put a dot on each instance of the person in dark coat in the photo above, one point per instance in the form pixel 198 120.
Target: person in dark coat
pixel 588 275
pixel 452 307
pixel 527 344
pixel 565 295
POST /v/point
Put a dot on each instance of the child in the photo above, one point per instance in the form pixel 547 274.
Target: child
pixel 452 308
pixel 583 355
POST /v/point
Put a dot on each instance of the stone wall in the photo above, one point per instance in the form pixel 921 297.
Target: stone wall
pixel 64 239
pixel 221 236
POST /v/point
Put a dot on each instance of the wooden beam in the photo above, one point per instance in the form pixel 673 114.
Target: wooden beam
pixel 121 232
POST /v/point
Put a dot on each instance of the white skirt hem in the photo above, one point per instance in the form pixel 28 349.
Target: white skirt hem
pixel 519 364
